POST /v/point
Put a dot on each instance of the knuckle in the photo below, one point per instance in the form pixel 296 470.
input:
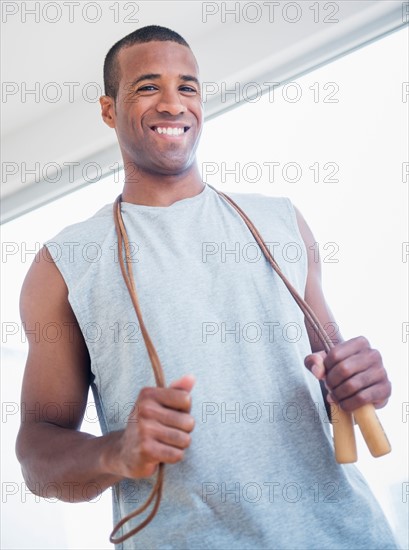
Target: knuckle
pixel 360 400
pixel 143 394
pixel 145 447
pixel 145 409
pixel 146 393
pixel 375 356
pixel 378 375
pixel 343 370
pixel 362 341
pixel 144 432
pixel 168 417
pixel 383 390
pixel 349 387
pixel 346 406
pixel 334 356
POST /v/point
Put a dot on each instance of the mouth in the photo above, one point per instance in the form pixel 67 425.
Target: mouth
pixel 172 131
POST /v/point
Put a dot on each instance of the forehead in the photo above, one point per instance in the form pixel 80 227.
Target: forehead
pixel 164 58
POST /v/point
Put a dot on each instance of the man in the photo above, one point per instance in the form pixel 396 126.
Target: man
pixel 241 427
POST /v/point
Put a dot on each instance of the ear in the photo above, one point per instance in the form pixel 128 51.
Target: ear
pixel 108 110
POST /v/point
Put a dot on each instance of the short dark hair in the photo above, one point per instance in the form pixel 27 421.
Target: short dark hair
pixel 150 33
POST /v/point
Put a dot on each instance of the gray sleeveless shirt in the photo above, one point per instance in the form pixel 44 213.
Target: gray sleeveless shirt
pixel 260 472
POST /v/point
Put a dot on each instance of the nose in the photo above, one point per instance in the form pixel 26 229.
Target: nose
pixel 170 103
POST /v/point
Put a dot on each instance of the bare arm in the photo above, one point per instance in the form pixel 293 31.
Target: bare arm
pixel 352 372
pixel 57 459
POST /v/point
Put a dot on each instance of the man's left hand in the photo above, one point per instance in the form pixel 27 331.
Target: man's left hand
pixel 353 374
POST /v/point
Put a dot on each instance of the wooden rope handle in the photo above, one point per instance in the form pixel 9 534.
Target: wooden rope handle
pixel 372 430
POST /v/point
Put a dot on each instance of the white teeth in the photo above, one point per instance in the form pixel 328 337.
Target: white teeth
pixel 170 131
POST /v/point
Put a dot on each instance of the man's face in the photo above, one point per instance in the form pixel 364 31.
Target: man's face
pixel 158 116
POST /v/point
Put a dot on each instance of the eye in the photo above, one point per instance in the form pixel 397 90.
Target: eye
pixel 188 89
pixel 146 88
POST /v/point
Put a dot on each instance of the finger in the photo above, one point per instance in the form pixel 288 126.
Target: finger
pixel 168 397
pixel 353 365
pixel 168 436
pixel 185 383
pixel 153 451
pixel 342 351
pixel 315 363
pixel 357 383
pixel 176 419
pixel 167 417
pixel 152 410
pixel 373 394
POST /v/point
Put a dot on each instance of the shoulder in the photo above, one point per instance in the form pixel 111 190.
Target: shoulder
pixel 44 293
pixel 67 255
pixel 281 207
pixel 95 225
pixel 267 210
pixel 77 246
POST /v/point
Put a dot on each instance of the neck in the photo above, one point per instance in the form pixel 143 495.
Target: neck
pixel 163 190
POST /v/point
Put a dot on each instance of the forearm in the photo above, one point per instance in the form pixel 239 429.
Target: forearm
pixel 64 463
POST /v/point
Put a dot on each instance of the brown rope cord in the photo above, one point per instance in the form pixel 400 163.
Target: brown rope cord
pixel 306 309
pixel 156 491
pixel 127 273
pixel 130 283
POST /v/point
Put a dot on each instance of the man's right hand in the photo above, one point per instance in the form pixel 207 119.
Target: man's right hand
pixel 59 372
pixel 158 430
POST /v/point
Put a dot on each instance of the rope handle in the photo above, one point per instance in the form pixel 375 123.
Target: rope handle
pixel 344 437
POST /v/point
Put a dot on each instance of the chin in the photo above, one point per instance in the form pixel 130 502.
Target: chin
pixel 172 171
pixel 175 168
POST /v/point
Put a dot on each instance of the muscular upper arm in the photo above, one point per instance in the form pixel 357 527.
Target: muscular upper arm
pixel 56 378
pixel 314 295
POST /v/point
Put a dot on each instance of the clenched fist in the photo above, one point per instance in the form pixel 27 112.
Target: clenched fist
pixel 158 430
pixel 353 374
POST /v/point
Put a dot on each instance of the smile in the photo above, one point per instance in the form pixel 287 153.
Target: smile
pixel 170 131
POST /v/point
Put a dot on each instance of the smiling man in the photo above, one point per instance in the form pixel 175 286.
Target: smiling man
pixel 157 114
pixel 240 423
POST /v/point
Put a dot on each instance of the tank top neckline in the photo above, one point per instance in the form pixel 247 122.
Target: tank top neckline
pixel 182 203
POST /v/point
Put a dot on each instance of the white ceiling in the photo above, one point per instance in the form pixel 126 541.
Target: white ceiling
pixel 229 50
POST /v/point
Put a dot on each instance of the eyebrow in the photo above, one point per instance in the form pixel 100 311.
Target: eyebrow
pixel 156 76
pixel 189 78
